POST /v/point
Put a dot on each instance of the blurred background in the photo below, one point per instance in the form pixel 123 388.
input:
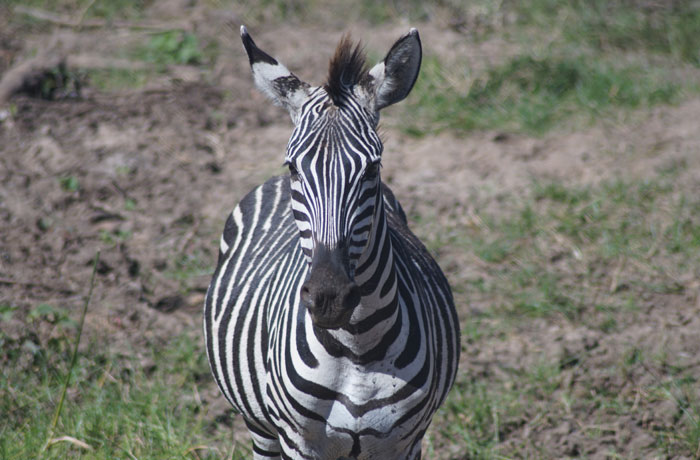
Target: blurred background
pixel 549 156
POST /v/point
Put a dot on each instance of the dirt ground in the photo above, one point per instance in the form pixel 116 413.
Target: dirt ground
pixel 147 176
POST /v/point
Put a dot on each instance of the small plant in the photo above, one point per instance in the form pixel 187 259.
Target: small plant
pixel 50 314
pixel 6 312
pixel 112 238
pixel 69 183
pixel 58 82
pixel 186 267
pixel 172 47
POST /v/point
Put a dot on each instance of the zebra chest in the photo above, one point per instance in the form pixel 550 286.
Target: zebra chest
pixel 343 409
pixel 367 401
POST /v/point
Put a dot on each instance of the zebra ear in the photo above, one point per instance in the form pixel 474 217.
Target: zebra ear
pixel 274 79
pixel 395 75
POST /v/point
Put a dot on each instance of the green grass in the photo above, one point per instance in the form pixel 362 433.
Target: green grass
pixel 485 408
pixel 572 63
pixel 69 183
pixel 578 255
pixel 171 47
pixel 374 12
pixel 480 412
pixel 586 231
pixel 474 417
pixel 115 80
pixel 663 28
pixel 667 28
pixel 102 9
pixel 139 403
pixel 185 268
pixel 575 61
pixel 113 9
pixel 529 94
pixel 112 238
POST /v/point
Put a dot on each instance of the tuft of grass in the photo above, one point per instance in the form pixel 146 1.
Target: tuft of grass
pixel 171 47
pixel 48 313
pixel 112 238
pixel 481 412
pixel 116 9
pixel 474 415
pixel 668 28
pixel 187 269
pixel 69 183
pixel 115 79
pixel 117 406
pixel 529 94
pixel 74 357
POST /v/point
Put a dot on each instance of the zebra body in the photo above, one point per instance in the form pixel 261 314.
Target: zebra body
pixel 331 329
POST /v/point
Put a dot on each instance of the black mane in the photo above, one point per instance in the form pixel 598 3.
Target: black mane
pixel 346 69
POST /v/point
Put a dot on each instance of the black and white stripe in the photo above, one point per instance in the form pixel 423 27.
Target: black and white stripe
pixel 327 323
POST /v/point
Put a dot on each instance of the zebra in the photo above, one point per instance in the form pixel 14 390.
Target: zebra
pixel 327 323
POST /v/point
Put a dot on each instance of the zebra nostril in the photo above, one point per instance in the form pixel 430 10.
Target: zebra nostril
pixel 306 296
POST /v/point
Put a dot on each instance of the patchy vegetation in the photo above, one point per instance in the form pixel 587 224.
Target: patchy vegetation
pixel 530 95
pixel 597 257
pixel 171 47
pixel 665 28
pixel 119 406
pixel 551 164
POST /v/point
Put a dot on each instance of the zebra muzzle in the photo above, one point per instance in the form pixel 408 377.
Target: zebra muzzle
pixel 329 293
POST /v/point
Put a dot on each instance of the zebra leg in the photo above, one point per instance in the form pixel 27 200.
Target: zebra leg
pixel 266 446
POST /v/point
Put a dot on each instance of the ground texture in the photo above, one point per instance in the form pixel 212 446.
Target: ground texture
pixel 602 364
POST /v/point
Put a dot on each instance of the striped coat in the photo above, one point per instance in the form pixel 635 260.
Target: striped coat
pixel 311 383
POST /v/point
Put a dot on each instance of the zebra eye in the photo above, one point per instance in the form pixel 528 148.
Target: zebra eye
pixel 293 171
pixel 372 170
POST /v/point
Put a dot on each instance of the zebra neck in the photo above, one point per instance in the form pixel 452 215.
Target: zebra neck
pixel 375 273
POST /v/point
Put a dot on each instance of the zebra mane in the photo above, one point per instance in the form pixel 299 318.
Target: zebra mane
pixel 347 68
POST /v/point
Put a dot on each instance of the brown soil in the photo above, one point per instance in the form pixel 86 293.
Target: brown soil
pixel 158 170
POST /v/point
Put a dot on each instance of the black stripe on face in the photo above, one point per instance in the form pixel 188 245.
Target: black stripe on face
pixel 334 155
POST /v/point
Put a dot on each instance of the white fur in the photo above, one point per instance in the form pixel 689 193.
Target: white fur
pixel 265 74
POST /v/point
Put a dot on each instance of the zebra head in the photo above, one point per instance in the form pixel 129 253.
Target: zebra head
pixel 334 158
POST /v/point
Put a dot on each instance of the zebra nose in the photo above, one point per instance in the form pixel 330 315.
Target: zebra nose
pixel 329 294
pixel 330 306
pixel 325 297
